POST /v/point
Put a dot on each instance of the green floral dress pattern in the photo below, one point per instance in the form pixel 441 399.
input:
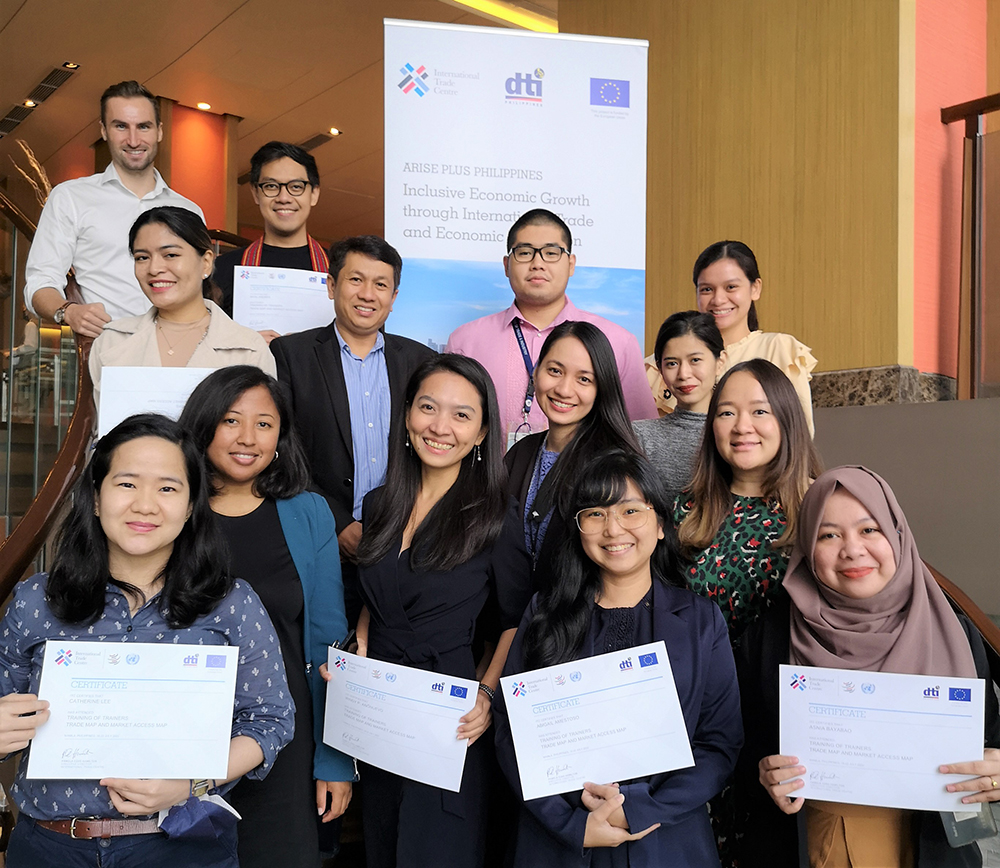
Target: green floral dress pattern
pixel 741 568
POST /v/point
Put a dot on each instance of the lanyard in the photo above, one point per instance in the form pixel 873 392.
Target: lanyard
pixel 529 393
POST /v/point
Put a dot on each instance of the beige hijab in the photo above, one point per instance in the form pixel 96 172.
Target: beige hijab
pixel 908 626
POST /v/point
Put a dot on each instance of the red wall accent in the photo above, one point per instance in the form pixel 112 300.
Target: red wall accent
pixel 951 68
pixel 197 161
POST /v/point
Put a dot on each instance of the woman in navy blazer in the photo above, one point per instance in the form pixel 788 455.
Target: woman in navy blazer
pixel 616 586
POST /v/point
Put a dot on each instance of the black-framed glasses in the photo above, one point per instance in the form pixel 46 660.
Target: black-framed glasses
pixel 273 188
pixel 526 253
pixel 629 516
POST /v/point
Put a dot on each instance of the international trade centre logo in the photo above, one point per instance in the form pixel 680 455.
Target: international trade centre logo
pixel 65 657
pixel 414 79
pixel 611 92
pixel 798 682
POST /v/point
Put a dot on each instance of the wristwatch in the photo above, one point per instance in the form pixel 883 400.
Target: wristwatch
pixel 59 317
pixel 199 788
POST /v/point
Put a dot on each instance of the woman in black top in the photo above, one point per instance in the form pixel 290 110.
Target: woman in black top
pixel 440 540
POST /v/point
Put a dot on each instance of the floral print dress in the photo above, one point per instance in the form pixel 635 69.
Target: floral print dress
pixel 741 568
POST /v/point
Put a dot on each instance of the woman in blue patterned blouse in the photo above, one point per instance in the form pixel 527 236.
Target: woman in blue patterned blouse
pixel 138 560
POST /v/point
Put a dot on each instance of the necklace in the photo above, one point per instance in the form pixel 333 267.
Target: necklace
pixel 183 330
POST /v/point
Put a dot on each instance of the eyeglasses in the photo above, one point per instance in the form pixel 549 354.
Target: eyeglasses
pixel 272 188
pixel 526 253
pixel 594 519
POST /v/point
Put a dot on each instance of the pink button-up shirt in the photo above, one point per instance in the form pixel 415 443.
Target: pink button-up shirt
pixel 490 340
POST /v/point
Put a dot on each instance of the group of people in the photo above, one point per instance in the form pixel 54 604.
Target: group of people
pixel 512 503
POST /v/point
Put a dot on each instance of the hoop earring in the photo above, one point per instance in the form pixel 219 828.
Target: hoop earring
pixel 666 394
pixel 275 455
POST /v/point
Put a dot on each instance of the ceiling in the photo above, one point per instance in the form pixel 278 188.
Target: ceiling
pixel 289 69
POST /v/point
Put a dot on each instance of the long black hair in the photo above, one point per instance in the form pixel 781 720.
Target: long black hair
pixel 559 625
pixel 288 474
pixel 187 226
pixel 470 516
pixel 743 257
pixel 606 426
pixel 196 576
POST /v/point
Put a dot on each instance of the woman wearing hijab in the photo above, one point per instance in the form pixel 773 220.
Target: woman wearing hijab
pixel 858 597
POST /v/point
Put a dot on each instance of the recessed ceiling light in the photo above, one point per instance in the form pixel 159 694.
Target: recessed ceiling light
pixel 29 103
pixel 204 106
pixel 334 131
pixel 70 65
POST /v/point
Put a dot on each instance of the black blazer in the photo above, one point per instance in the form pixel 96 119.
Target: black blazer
pixel 309 363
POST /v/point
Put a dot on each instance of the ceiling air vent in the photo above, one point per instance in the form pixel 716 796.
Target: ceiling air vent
pixel 42 91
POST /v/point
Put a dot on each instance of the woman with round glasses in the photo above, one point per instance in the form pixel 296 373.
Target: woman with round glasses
pixel 618 585
pixel 578 390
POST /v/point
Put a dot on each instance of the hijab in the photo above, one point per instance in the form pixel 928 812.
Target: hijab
pixel 908 626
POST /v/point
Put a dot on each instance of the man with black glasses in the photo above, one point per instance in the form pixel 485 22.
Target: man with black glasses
pixel 539 264
pixel 284 182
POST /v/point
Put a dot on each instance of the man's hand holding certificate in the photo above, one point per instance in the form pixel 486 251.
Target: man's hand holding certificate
pixel 601 719
pixel 878 738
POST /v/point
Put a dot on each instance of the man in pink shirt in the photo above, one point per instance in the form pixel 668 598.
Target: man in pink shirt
pixel 539 263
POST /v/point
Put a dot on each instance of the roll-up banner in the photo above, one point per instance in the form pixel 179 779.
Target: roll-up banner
pixel 483 124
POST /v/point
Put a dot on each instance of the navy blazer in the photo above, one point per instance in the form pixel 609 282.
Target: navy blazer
pixel 551 830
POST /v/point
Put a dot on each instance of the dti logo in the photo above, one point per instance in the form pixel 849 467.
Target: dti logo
pixel 519 688
pixel 340 663
pixel 191 660
pixel 798 682
pixel 438 687
pixel 64 658
pixel 932 692
pixel 525 86
pixel 626 664
pixel 414 79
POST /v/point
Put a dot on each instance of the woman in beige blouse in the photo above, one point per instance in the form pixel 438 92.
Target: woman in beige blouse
pixel 173 264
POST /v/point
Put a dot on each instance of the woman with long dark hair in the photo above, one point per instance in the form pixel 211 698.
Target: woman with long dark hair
pixel 618 585
pixel 174 258
pixel 138 559
pixel 857 596
pixel 578 389
pixel 283 541
pixel 440 538
pixel 737 520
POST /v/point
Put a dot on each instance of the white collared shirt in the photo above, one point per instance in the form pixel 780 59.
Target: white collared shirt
pixel 85 224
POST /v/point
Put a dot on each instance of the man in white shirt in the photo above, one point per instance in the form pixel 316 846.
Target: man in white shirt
pixel 85 222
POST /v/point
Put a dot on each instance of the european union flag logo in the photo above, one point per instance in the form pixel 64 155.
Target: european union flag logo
pixel 215 661
pixel 647 660
pixel 460 692
pixel 609 92
pixel 959 694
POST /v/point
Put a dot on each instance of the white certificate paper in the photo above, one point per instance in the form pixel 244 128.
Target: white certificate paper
pixel 600 719
pixel 400 719
pixel 128 390
pixel 135 710
pixel 283 299
pixel 877 738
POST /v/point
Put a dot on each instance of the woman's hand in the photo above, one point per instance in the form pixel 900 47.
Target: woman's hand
pixel 16 729
pixel 595 795
pixel 600 832
pixel 983 788
pixel 141 797
pixel 781 776
pixel 477 721
pixel 340 797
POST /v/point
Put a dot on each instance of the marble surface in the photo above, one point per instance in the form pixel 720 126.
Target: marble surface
pixel 890 384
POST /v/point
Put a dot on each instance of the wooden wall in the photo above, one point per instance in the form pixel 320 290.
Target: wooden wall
pixel 785 125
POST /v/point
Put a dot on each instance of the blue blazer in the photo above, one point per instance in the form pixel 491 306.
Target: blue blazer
pixel 311 535
pixel 551 830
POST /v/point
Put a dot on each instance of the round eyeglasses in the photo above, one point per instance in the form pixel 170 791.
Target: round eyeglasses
pixel 629 516
pixel 272 188
pixel 526 253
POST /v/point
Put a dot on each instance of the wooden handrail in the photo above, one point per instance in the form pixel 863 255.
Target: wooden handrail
pixel 973 108
pixel 982 622
pixel 22 223
pixel 229 238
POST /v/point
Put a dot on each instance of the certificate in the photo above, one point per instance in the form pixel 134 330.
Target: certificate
pixel 282 299
pixel 135 710
pixel 128 390
pixel 600 719
pixel 400 719
pixel 877 738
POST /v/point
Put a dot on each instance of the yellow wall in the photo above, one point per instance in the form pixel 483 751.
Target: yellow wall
pixel 781 124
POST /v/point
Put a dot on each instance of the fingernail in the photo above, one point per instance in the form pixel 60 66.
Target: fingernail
pixel 950 788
